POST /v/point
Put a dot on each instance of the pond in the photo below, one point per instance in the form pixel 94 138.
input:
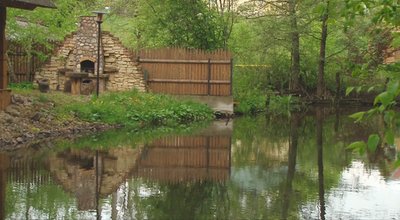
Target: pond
pixel 260 167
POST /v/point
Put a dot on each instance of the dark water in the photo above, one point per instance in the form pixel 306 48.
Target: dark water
pixel 252 168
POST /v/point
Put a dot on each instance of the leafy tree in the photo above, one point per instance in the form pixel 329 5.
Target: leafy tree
pixel 42 25
pixel 383 14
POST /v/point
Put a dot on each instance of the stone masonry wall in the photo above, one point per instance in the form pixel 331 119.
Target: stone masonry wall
pixel 117 65
pixel 129 73
pixel 62 59
pixel 392 56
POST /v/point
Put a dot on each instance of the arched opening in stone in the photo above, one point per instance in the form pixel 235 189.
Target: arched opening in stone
pixel 87 66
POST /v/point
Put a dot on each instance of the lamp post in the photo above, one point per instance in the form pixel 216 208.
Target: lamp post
pixel 99 20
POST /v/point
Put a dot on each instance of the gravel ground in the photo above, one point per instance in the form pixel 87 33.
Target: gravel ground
pixel 26 122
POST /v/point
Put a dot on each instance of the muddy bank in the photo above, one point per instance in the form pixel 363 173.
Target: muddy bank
pixel 27 121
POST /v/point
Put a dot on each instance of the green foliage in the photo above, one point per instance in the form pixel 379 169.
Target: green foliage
pixel 371 146
pixel 156 23
pixel 134 109
pixel 373 141
pixel 250 102
pixel 359 146
pixel 282 104
pixel 21 86
pixel 43 25
pixel 247 93
pixel 42 98
pixel 253 92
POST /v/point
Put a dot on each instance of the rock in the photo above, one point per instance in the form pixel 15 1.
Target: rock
pixel 19 140
pixel 43 120
pixel 29 135
pixel 20 100
pixel 13 111
pixel 9 120
pixel 37 116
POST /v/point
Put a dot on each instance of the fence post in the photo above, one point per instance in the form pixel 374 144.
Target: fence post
pixel 209 77
pixel 231 84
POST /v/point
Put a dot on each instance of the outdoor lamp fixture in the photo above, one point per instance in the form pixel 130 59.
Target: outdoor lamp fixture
pixel 99 21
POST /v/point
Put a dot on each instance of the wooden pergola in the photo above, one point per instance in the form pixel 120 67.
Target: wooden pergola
pixel 5 93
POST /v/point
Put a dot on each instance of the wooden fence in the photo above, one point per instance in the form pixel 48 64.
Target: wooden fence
pixel 21 64
pixel 181 71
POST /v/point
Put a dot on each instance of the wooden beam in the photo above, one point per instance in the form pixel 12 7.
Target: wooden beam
pixel 27 4
pixel 189 81
pixel 5 94
pixel 3 61
pixel 184 61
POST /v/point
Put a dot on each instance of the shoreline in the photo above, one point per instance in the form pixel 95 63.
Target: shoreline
pixel 26 122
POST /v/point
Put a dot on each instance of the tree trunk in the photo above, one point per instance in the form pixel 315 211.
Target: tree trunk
pixel 322 51
pixel 295 41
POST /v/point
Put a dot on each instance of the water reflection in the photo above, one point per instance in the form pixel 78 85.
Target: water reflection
pixel 264 168
pixel 293 142
pixel 319 118
pixel 4 163
pixel 186 159
pixel 88 174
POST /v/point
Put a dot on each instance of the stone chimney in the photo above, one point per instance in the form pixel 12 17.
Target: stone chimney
pixel 86 46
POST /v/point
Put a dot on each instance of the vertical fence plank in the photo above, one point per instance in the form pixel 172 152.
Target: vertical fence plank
pixel 209 78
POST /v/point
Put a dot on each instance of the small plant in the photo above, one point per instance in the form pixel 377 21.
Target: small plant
pixel 21 85
pixel 42 98
pixel 250 102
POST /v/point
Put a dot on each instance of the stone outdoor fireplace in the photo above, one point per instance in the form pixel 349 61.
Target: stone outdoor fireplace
pixel 73 66
pixel 87 66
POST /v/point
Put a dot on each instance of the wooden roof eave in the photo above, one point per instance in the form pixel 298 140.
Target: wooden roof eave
pixel 27 4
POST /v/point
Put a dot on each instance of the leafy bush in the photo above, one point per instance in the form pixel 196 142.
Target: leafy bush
pixel 21 85
pixel 247 92
pixel 252 101
pixel 282 105
pixel 141 109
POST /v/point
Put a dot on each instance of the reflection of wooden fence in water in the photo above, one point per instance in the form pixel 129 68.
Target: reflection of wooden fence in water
pixel 181 159
pixel 28 171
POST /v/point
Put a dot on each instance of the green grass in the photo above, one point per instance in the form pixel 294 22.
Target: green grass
pixel 136 109
pixel 131 109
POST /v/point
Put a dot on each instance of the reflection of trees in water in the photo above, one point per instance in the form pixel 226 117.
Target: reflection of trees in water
pixel 300 139
pixel 293 142
pixel 178 201
pixel 321 190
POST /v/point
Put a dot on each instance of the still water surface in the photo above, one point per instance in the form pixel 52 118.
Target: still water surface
pixel 252 168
